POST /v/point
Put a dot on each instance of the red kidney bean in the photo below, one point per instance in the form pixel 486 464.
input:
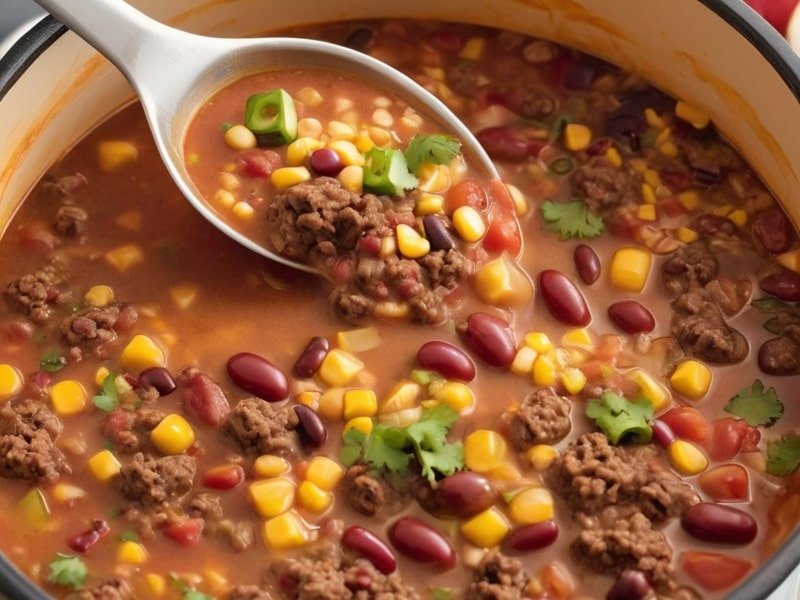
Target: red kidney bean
pixel 784 285
pixel 258 376
pixel 82 542
pixel 508 143
pixel 421 542
pixel 631 317
pixel 719 523
pixel 325 162
pixel 360 39
pixel 662 433
pixel 437 234
pixel 465 494
pixel 587 263
pixel 447 360
pixel 311 358
pixel 488 337
pixel 533 537
pixel 224 477
pixel 771 232
pixel 630 585
pixel 158 378
pixel 563 299
pixel 370 546
pixel 599 146
pixel 778 356
pixel 203 397
pixel 311 429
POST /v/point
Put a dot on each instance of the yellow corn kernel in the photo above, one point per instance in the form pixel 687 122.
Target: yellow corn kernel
pixel 456 395
pixel 544 370
pixel 401 418
pixel 541 455
pixel 308 398
pixel 99 295
pixel 183 295
pixel 243 210
pixel 573 379
pixel 104 465
pixel 523 360
pixel 690 200
pixel 690 114
pixel 65 493
pixel 269 465
pixel 68 397
pixel 285 531
pixel 337 130
pixel 313 498
pixel 225 199
pixel 436 73
pixel 310 97
pixel 434 178
pixel 131 552
pixel 539 341
pixel 630 268
pixel 652 178
pixel 613 156
pixel 348 153
pixel 10 381
pixel 484 450
pixel 271 497
pixel 324 472
pixel 113 155
pixel 686 235
pixel 403 396
pixel 519 200
pixel 646 212
pixel 141 353
pixel 299 150
pixel 789 260
pixel 739 217
pixel 578 338
pixel 486 529
pixel 468 223
pixel 428 204
pixel 648 193
pixel 362 424
pixel 229 182
pixel 331 404
pixel 668 149
pixel 638 164
pixel 352 178
pixel 653 119
pixel 286 177
pixel 364 143
pixel 124 257
pixel 501 282
pixel 762 201
pixel 410 243
pixel 215 580
pixel 360 403
pixel 338 368
pixel 722 211
pixel 473 48
pixel 651 389
pixel 505 471
pixel 531 505
pixel 379 136
pixel 309 128
pixel 577 137
pixel 131 220
pixel 691 378
pixel 156 584
pixel 240 137
pixel 687 458
pixel 173 435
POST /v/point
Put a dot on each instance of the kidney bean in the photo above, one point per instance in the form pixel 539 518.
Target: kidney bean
pixel 360 39
pixel 771 232
pixel 367 544
pixel 599 146
pixel 719 523
pixel 631 317
pixel 421 542
pixel 311 358
pixel 203 397
pixel 311 429
pixel 447 360
pixel 630 585
pixel 437 234
pixel 778 356
pixel 258 376
pixel 508 143
pixel 662 433
pixel 784 285
pixel 533 537
pixel 224 477
pixel 326 162
pixel 488 337
pixel 587 263
pixel 563 299
pixel 158 378
pixel 465 494
pixel 82 542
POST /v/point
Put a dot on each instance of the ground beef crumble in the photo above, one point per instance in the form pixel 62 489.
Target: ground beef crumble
pixel 70 220
pixel 129 430
pixel 151 481
pixel 542 418
pixel 93 327
pixel 248 592
pixel 34 295
pixel 363 492
pixel 260 428
pixel 497 577
pixel 28 430
pixel 603 185
pixel 112 589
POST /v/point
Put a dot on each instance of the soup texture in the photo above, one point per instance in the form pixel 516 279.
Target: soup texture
pixel 576 383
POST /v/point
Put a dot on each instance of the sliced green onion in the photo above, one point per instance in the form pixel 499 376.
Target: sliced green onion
pixel 272 117
pixel 561 166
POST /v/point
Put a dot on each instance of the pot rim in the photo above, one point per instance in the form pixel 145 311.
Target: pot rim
pixel 755 30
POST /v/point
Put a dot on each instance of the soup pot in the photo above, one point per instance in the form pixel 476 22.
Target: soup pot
pixel 715 54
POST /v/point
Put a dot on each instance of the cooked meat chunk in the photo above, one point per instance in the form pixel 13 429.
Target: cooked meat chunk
pixel 464 77
pixel 28 430
pixel 112 589
pixel 730 295
pixel 34 295
pixel 602 185
pixel 239 534
pixel 248 592
pixel 445 269
pixel 689 267
pixel 71 220
pixel 542 418
pixel 205 505
pixel 262 429
pixel 779 356
pixel 155 481
pixel 89 329
pixel 700 329
pixel 532 101
pixel 129 430
pixel 498 577
pixel 713 225
pixel 363 492
pixel 64 186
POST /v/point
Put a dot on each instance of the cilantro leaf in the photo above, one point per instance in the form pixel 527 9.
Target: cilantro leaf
pixel 52 362
pixel 440 593
pixel 108 398
pixel 385 449
pixel 195 595
pixel 756 406
pixel 438 149
pixel 446 460
pixel 128 536
pixel 353 447
pixel 617 417
pixel 783 455
pixel 571 219
pixel 69 571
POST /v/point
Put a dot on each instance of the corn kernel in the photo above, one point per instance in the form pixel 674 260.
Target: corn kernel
pixel 531 505
pixel 484 450
pixel 269 465
pixel 68 397
pixel 240 137
pixel 410 243
pixel 225 199
pixel 141 353
pixel 362 424
pixel 286 177
pixel 309 127
pixel 215 580
pixel 10 381
pixel 331 404
pixel 646 212
pixel 648 193
pixel 519 200
pixel 652 178
pixel 360 403
pixel 722 211
pixel 272 497
pixel 544 370
pixel 358 340
pixel 613 156
pixel 352 178
pixel 689 199
pixel 183 295
pixel 348 153
pixel 229 181
pixel 337 130
pixel 473 48
pixel 573 380
pixel 638 164
pixel 65 493
pixel 501 282
pixel 691 379
pixel 308 398
pixel 124 257
pixel 739 217
pixel 789 260
pixel 668 149
pixel 687 458
pixel 577 137
pixel 285 531
pixel 380 136
pixel 456 395
pixel 630 268
pixel 541 456
pixel 434 178
pixel 578 338
pixel 131 552
pixel 505 471
pixel 310 97
pixel 324 472
pixel 99 295
pixel 428 204
pixel 104 465
pixel 486 529
pixel 113 155
pixel 653 119
pixel 156 584
pixel 690 114
pixel 404 395
pixel 539 341
pixel 299 150
pixel 651 389
pixel 243 210
pixel 686 235
pixel 468 223
pixel 523 360
pixel 131 220
pixel 338 368
pixel 173 435
pixel 313 498
pixel 401 418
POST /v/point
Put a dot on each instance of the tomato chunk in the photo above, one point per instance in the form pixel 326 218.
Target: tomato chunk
pixel 224 477
pixel 726 483
pixel 687 423
pixel 503 234
pixel 469 192
pixel 726 438
pixel 186 533
pixel 714 571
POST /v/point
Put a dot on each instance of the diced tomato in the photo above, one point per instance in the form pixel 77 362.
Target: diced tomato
pixel 726 438
pixel 446 41
pixel 608 347
pixel 594 369
pixel 726 483
pixel 224 477
pixel 714 571
pixel 670 207
pixel 557 68
pixel 751 438
pixel 488 95
pixel 258 163
pixel 203 398
pixel 687 423
pixel 370 244
pixel 468 192
pixel 503 233
pixel 187 533
pixel 36 237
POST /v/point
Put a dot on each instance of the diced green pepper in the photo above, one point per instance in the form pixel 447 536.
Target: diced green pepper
pixel 272 117
pixel 619 418
pixel 386 172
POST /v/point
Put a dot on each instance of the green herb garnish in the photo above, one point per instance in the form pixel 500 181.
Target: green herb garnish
pixel 108 398
pixel 571 219
pixel 69 571
pixel 437 149
pixel 187 593
pixel 128 536
pixel 783 455
pixel 756 406
pixel 440 593
pixel 52 361
pixel 386 172
pixel 618 417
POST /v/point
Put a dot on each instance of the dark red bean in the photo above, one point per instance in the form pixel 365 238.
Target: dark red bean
pixel 447 360
pixel 370 546
pixel 82 542
pixel 421 542
pixel 784 285
pixel 705 177
pixel 258 376
pixel 772 232
pixel 437 234
pixel 587 263
pixel 311 429
pixel 326 162
pixel 508 143
pixel 158 378
pixel 599 146
pixel 719 523
pixel 311 358
pixel 465 494
pixel 533 537
pixel 360 39
pixel 203 397
pixel 662 433
pixel 488 337
pixel 563 298
pixel 631 317
pixel 778 356
pixel 630 585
